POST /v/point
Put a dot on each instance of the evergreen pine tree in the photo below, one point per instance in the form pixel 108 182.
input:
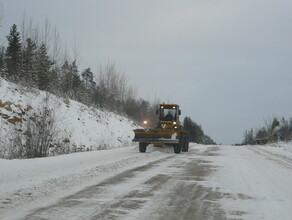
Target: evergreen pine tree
pixel 87 77
pixel 76 87
pixel 262 133
pixel 89 87
pixel 249 137
pixel 4 71
pixel 56 82
pixel 2 55
pixel 66 78
pixel 290 129
pixel 195 131
pixel 43 68
pixel 3 65
pixel 275 123
pixel 70 81
pixel 13 53
pixel 284 129
pixel 29 62
pixel 76 82
pixel 101 96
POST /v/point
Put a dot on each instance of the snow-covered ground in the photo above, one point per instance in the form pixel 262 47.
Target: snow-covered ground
pixel 34 182
pixel 76 125
pixel 254 182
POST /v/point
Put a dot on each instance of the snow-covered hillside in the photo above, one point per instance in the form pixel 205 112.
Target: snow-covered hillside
pixel 76 126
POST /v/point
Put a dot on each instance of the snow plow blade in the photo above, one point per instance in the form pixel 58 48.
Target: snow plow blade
pixel 155 135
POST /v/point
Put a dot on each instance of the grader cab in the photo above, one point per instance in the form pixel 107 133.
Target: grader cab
pixel 167 132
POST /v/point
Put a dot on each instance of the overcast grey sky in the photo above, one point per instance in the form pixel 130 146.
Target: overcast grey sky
pixel 227 63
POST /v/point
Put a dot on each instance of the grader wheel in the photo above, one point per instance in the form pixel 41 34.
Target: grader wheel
pixel 177 148
pixel 185 144
pixel 142 147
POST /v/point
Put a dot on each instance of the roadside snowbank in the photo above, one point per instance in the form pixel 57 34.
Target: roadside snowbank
pixel 77 126
pixel 283 149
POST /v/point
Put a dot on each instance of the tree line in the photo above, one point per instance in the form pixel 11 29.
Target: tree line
pixel 30 63
pixel 196 133
pixel 273 130
pixel 33 57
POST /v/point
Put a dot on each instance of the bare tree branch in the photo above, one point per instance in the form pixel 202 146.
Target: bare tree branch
pixel 76 51
pixel 1 14
pixel 56 47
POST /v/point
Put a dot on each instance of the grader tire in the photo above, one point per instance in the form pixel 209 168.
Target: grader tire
pixel 142 147
pixel 177 148
pixel 186 144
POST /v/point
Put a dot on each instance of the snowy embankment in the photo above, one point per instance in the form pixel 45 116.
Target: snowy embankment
pixel 77 127
pixel 282 148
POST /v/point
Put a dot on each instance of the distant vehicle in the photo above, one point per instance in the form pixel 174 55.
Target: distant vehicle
pixel 167 132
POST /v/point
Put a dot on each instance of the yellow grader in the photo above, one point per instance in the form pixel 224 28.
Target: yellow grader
pixel 167 132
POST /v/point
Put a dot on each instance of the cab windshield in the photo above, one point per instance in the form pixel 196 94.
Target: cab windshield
pixel 167 114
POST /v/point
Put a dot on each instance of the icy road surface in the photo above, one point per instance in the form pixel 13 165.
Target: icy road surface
pixel 208 182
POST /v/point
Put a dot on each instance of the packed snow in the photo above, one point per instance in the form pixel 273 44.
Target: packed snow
pixel 32 182
pixel 255 180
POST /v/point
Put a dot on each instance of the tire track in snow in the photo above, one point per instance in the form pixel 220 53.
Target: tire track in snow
pixel 105 200
pixel 166 188
pixel 54 187
pixel 283 161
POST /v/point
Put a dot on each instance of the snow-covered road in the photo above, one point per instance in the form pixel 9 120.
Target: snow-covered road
pixel 208 182
pixel 256 182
